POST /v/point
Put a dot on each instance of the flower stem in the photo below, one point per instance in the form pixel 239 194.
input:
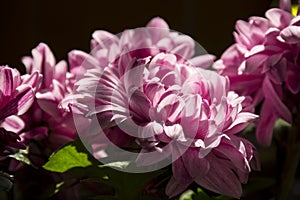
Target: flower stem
pixel 291 161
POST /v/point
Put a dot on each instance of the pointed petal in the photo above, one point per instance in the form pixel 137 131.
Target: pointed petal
pixel 180 179
pixel 266 123
pixel 250 152
pixel 175 187
pixel 246 84
pixel 273 98
pixel 196 167
pixel 237 159
pixel 242 120
pixel 221 179
pixel 293 77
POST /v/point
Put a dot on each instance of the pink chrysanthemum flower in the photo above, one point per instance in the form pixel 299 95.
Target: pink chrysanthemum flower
pixel 16 97
pixel 160 100
pixel 264 63
pixel 107 48
pixel 47 121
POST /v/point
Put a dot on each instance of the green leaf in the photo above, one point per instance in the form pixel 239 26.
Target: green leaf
pixel 187 195
pixel 66 158
pixel 200 195
pixel 80 165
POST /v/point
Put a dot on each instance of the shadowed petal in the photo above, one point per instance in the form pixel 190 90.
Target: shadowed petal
pixel 293 77
pixel 264 130
pixel 273 98
pixel 221 179
pixel 180 179
pixel 196 167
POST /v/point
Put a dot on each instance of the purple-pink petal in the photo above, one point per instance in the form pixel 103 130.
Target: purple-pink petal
pixel 20 104
pixel 203 61
pixel 273 98
pixel 13 123
pixel 180 180
pixel 285 5
pixel 278 17
pixel 291 34
pixel 293 77
pixel 221 179
pixel 266 123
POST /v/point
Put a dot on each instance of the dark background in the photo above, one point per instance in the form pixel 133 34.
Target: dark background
pixel 66 25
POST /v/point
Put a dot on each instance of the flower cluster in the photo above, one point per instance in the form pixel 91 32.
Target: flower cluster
pixel 55 86
pixel 145 87
pixel 264 64
pixel 31 109
pixel 144 98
